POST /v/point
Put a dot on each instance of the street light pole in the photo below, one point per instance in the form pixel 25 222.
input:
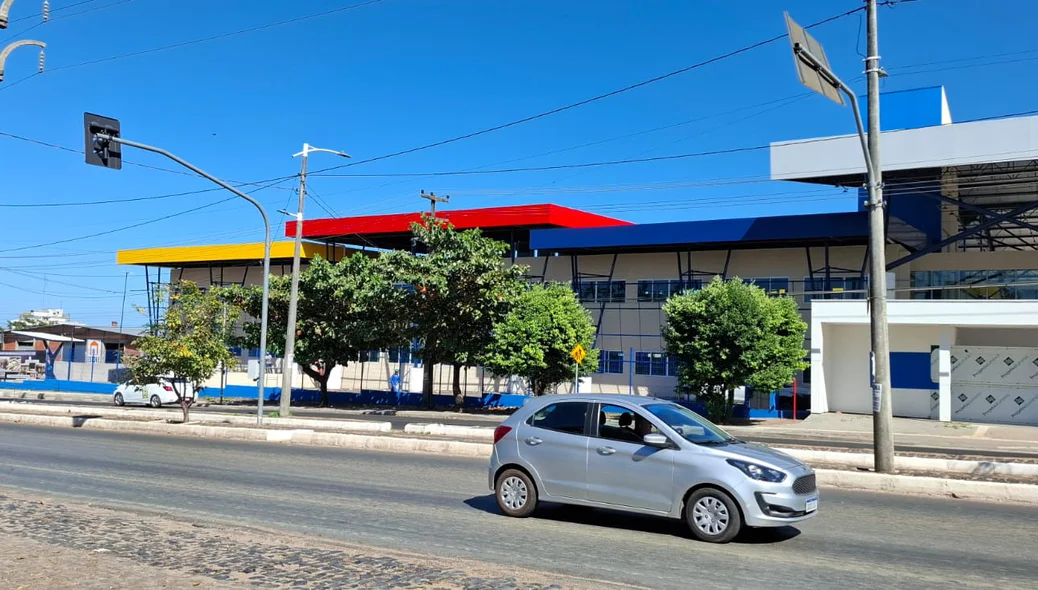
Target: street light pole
pixel 108 137
pixel 288 363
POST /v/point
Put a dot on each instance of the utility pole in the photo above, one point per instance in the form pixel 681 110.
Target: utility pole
pixel 122 317
pixel 288 363
pixel 814 72
pixel 882 412
pixel 433 199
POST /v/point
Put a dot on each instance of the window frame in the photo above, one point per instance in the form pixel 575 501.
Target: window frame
pixel 585 429
pixel 604 362
pixel 597 408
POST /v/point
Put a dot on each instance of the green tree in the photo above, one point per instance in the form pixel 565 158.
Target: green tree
pixel 458 288
pixel 731 334
pixel 187 345
pixel 535 338
pixel 342 310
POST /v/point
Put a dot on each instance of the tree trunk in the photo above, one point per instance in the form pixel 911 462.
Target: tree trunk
pixel 729 403
pixel 185 404
pixel 427 384
pixel 459 395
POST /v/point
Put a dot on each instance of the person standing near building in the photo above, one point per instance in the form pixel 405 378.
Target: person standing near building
pixel 394 386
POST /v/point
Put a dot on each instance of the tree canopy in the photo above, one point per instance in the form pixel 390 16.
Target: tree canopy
pixel 343 309
pixel 730 334
pixel 458 288
pixel 535 338
pixel 187 345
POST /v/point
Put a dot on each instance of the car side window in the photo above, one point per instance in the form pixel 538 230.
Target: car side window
pixel 622 424
pixel 566 417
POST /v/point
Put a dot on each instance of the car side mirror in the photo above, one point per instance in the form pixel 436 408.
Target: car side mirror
pixel 656 440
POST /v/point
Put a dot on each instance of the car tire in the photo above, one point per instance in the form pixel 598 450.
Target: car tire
pixel 713 516
pixel 118 399
pixel 155 402
pixel 516 494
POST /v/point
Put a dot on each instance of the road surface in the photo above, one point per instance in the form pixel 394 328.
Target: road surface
pixel 757 434
pixel 441 506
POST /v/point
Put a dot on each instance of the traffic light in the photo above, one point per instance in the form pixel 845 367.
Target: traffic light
pixel 102 151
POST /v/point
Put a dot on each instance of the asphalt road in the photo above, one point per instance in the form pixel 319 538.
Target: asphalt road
pixel 441 506
pixel 763 436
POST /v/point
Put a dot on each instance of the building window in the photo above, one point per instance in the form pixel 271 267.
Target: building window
pixel 975 284
pixel 611 361
pixel 370 356
pixel 399 355
pixel 834 288
pixel 664 289
pixel 602 291
pixel 673 365
pixel 774 286
pixel 650 363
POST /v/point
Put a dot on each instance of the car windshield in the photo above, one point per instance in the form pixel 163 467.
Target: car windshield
pixel 690 425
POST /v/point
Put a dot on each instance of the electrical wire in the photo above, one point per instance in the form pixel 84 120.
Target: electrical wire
pixel 592 99
pixel 217 37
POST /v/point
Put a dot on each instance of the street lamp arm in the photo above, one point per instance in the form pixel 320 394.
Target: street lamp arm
pixel 309 150
pixel 10 48
pixel 5 9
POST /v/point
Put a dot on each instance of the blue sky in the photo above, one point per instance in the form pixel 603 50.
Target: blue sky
pixel 397 74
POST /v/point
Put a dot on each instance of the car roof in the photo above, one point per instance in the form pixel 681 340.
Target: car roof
pixel 639 400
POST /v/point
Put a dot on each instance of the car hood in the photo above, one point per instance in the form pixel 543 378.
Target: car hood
pixel 758 452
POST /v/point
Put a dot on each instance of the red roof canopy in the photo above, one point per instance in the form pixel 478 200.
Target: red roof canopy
pixel 387 230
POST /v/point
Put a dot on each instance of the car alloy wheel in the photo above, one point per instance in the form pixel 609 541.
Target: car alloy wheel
pixel 119 399
pixel 156 402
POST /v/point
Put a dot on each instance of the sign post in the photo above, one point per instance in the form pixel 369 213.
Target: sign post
pixel 95 352
pixel 579 354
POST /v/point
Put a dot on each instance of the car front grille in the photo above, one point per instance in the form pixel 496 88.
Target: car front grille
pixel 805 484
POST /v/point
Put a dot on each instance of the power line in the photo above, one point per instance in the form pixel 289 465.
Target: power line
pixel 134 225
pixel 216 37
pixel 148 166
pixel 593 99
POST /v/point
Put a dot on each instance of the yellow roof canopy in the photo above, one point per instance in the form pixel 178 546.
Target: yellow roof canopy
pixel 225 254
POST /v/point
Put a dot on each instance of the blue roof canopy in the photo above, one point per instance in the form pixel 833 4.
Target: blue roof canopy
pixel 722 234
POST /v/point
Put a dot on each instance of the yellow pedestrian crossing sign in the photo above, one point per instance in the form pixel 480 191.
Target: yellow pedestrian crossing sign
pixel 578 353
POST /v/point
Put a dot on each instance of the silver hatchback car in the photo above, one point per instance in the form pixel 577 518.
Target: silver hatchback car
pixel 648 456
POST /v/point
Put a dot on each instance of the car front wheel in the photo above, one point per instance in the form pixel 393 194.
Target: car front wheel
pixel 713 516
pixel 119 401
pixel 516 494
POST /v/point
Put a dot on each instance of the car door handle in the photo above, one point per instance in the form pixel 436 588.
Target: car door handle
pixel 606 450
pixel 533 441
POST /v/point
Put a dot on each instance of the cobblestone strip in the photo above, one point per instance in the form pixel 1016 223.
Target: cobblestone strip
pixel 244 557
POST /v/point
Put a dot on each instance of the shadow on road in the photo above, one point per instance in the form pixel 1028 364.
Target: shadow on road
pixel 633 522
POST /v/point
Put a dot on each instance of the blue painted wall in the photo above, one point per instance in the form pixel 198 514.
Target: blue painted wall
pixel 910 370
pixel 907 109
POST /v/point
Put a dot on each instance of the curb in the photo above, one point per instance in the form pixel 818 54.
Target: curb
pixel 867 461
pixel 476 432
pixel 343 425
pixel 963 489
pixel 300 436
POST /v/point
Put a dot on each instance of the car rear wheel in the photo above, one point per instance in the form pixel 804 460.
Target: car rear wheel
pixel 713 516
pixel 155 402
pixel 516 494
pixel 119 401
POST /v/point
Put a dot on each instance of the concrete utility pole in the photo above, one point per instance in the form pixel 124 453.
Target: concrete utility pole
pixel 288 363
pixel 814 72
pixel 6 52
pixel 433 199
pixel 882 412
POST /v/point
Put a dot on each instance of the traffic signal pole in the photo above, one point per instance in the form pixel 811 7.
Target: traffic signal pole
pixel 106 138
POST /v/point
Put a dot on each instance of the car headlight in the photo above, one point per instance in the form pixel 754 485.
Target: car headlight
pixel 758 472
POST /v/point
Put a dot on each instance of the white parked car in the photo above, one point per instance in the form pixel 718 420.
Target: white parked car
pixel 154 394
